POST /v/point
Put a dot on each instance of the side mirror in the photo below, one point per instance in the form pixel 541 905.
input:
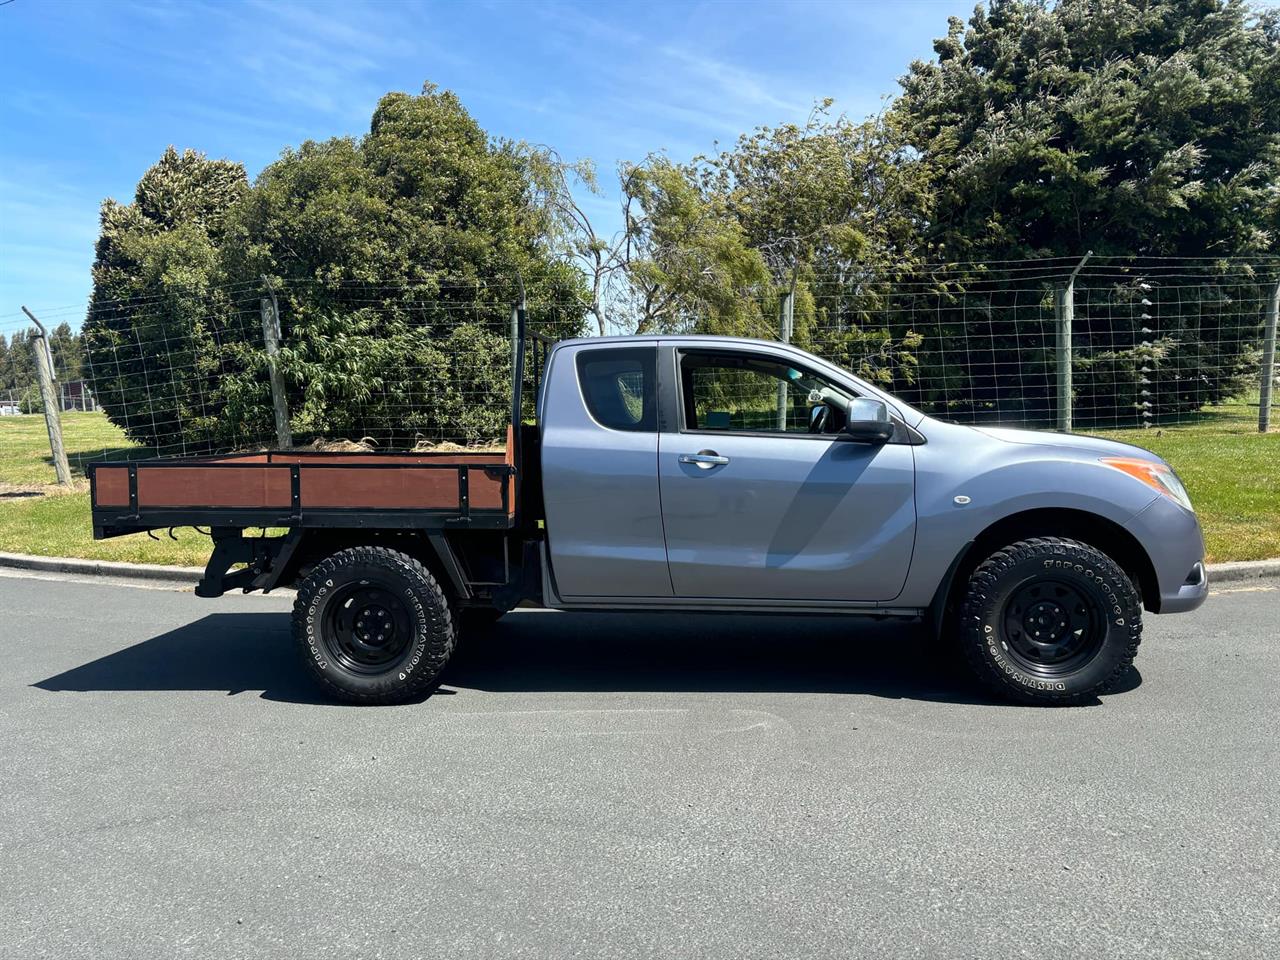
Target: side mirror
pixel 868 421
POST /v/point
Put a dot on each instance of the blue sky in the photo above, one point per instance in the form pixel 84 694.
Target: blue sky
pixel 94 92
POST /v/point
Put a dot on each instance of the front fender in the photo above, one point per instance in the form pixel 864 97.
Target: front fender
pixel 1001 479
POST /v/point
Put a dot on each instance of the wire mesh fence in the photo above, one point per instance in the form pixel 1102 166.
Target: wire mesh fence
pixel 1148 346
pixel 397 366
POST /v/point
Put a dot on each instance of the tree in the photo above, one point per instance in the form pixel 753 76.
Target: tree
pixel 395 259
pixel 1147 128
pixel 570 232
pixel 827 212
pixel 1144 127
pixel 6 370
pixel 688 263
pixel 18 367
pixel 159 320
pixel 68 358
pixel 677 263
pixel 836 209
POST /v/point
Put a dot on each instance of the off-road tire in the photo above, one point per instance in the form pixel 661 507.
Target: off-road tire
pixel 383 580
pixel 1072 569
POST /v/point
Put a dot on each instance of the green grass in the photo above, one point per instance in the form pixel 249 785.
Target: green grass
pixel 58 526
pixel 1231 471
pixel 24 446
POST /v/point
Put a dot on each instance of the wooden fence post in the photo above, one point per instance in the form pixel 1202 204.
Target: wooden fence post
pixel 271 337
pixel 786 329
pixel 1064 302
pixel 1268 361
pixel 49 400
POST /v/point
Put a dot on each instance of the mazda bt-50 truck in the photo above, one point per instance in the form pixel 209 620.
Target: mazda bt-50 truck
pixel 690 473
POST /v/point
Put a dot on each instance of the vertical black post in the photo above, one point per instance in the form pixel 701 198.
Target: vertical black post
pixel 519 326
pixel 295 490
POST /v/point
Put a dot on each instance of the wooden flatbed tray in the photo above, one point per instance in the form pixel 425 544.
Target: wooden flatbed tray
pixel 305 488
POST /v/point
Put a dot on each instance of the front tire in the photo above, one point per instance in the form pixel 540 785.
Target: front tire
pixel 1050 621
pixel 373 626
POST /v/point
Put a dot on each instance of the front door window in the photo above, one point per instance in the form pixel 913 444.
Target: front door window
pixel 744 393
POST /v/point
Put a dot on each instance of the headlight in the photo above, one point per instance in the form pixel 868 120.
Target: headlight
pixel 1159 476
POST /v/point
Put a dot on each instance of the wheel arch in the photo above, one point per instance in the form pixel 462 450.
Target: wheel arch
pixel 316 544
pixel 1091 528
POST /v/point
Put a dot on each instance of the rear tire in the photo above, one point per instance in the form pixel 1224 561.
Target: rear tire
pixel 373 626
pixel 1050 621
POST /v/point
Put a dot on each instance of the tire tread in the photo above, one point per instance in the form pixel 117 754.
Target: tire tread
pixel 985 580
pixel 442 631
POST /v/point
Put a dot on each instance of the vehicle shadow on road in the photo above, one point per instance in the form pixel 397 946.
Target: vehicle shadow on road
pixel 232 652
pixel 572 652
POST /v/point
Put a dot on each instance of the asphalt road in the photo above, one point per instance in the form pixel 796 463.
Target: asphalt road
pixel 606 786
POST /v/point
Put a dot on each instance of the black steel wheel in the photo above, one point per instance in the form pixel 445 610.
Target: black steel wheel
pixel 373 626
pixel 1050 621
pixel 1052 626
pixel 368 627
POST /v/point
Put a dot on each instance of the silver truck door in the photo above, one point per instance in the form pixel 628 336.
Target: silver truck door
pixel 600 472
pixel 758 506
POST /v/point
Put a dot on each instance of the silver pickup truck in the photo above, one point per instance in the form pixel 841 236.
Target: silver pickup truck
pixel 686 473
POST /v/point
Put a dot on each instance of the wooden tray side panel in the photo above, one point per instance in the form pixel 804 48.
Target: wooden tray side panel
pixel 357 488
pixel 111 486
pixel 486 492
pixel 356 482
pixel 250 486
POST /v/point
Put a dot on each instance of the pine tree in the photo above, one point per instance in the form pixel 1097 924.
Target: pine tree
pixel 1134 128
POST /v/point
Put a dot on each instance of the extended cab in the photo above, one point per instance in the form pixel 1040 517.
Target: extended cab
pixel 697 473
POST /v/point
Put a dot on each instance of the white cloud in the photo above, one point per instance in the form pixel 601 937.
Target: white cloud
pixel 739 87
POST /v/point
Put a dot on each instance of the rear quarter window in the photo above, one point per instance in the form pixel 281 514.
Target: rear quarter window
pixel 618 387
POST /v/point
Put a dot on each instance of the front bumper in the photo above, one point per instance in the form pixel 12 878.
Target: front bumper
pixel 1172 539
pixel 1188 596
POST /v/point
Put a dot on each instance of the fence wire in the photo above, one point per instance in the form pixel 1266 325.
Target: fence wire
pixel 397 366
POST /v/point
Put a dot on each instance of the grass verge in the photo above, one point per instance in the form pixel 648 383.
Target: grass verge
pixel 1232 473
pixel 24 446
pixel 58 526
pixel 37 516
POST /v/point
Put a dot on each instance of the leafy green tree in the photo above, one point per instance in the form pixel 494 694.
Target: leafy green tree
pixel 6 365
pixel 1144 128
pixel 689 262
pixel 835 207
pixel 18 371
pixel 395 259
pixel 159 316
pixel 679 263
pixel 22 360
pixel 68 354
pixel 1129 127
pixel 827 212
